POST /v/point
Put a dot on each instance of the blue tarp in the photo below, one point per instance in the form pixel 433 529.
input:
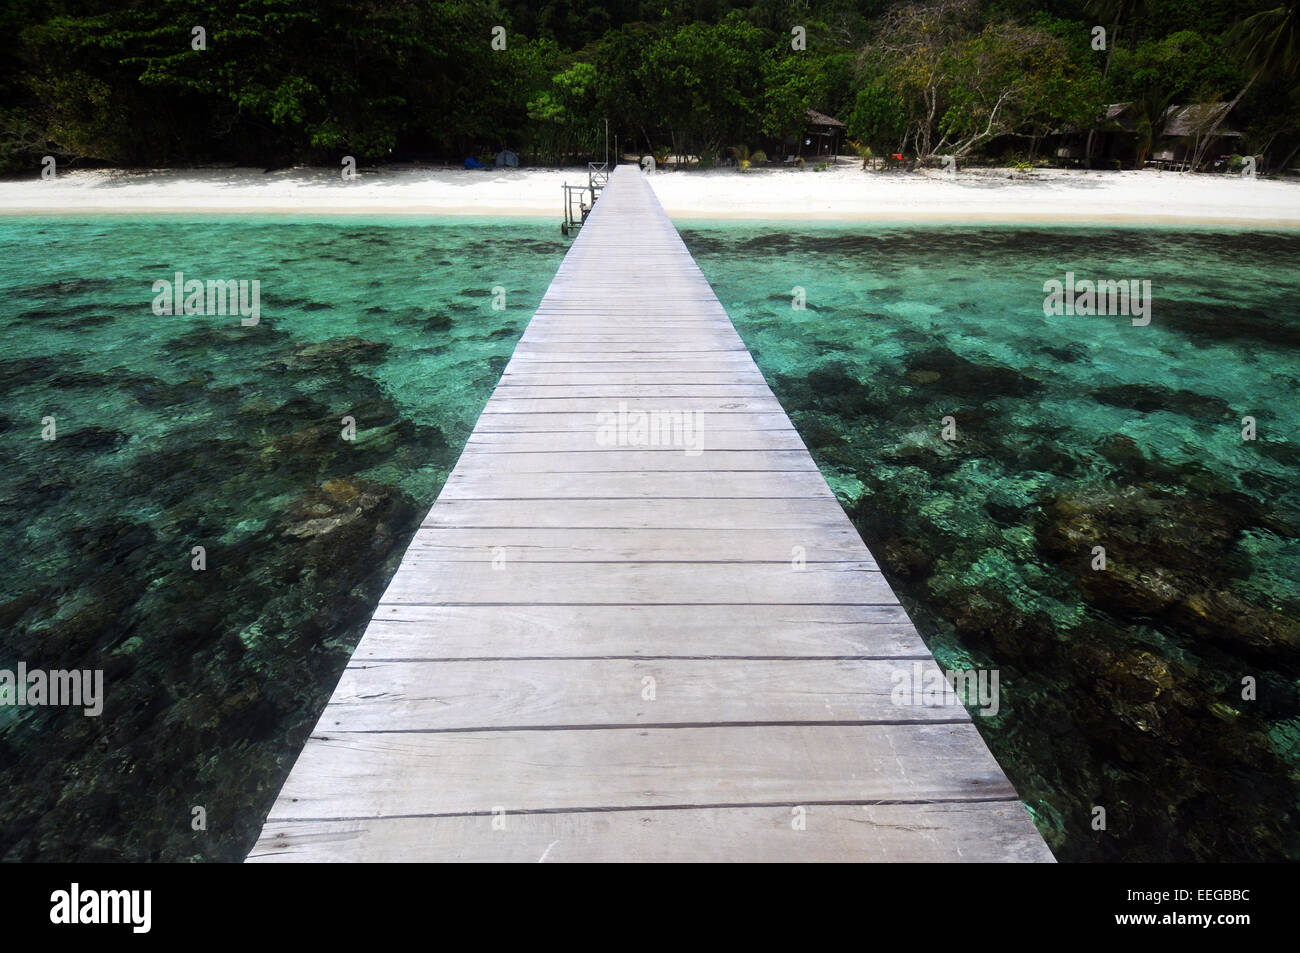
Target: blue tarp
pixel 472 163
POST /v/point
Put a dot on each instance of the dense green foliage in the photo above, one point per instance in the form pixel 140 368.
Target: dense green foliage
pixel 277 81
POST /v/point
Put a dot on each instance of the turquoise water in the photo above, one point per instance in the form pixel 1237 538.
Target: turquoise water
pixel 1122 688
pixel 180 431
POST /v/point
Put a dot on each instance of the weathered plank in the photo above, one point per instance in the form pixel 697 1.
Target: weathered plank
pixel 714 441
pixel 622 459
pixel 482 483
pixel 342 775
pixel 452 696
pixel 631 631
pixel 817 833
pixel 651 514
pixel 593 423
pixel 526 544
pixel 457 582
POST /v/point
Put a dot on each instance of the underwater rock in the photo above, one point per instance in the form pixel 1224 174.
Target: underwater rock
pixel 1231 621
pixel 1207 324
pixel 1287 454
pixel 151 392
pixel 1165 556
pixel 905 558
pixel 1067 355
pixel 836 390
pixel 816 433
pixel 94 439
pixel 830 389
pixel 339 507
pixel 309 440
pixel 1122 450
pixel 959 377
pixel 988 618
pixel 1006 506
pixel 335 352
pixel 1148 528
pixel 1147 399
pixel 26 370
pixel 205 339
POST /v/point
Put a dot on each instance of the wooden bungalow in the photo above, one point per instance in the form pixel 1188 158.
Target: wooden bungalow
pixel 1182 128
pixel 820 136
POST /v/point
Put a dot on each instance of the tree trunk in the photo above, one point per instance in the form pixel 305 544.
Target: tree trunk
pixel 1110 52
pixel 1199 155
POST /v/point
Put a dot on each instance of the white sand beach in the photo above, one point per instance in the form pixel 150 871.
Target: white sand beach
pixel 843 193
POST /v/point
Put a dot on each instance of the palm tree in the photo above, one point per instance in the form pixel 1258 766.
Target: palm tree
pixel 1151 114
pixel 1268 43
pixel 744 158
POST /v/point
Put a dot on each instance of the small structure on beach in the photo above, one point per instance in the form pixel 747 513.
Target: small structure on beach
pixel 1178 133
pixel 1186 127
pixel 821 135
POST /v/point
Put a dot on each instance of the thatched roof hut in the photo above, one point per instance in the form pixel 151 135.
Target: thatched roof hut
pixel 821 134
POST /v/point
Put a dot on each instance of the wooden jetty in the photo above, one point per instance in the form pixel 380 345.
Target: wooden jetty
pixel 617 641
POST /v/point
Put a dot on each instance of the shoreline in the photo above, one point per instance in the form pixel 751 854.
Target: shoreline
pixel 1080 220
pixel 841 195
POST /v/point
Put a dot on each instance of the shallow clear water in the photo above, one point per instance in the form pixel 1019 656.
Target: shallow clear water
pixel 181 431
pixel 1121 688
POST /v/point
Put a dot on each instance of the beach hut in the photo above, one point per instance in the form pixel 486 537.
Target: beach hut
pixel 1182 129
pixel 821 134
pixel 1187 129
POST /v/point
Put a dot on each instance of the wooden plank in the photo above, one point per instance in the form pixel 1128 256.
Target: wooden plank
pixel 692 366
pixel 808 514
pixel 479 483
pixel 384 775
pixel 593 423
pixel 438 582
pixel 452 696
pixel 732 631
pixel 629 378
pixel 828 833
pixel 614 406
pixel 623 391
pixel 615 459
pixel 782 547
pixel 716 441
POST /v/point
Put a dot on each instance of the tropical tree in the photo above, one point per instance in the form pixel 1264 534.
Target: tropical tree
pixel 1011 80
pixel 877 119
pixel 914 49
pixel 1115 13
pixel 1268 44
pixel 563 113
pixel 1150 112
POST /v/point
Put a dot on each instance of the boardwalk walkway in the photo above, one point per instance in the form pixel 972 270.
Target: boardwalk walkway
pixel 599 648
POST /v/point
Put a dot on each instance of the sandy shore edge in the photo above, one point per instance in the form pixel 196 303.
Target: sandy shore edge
pixel 843 194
